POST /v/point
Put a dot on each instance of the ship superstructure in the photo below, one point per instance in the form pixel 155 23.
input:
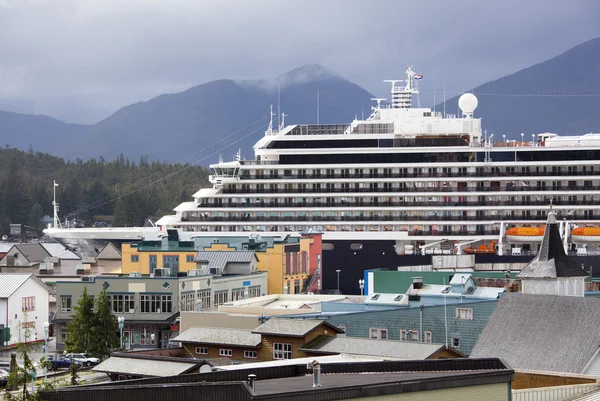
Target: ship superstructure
pixel 412 175
pixel 404 182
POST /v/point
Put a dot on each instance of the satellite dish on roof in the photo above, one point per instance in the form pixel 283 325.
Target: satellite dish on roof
pixel 4 237
pixel 468 103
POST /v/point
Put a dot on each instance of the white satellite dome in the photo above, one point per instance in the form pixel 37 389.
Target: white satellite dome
pixel 468 103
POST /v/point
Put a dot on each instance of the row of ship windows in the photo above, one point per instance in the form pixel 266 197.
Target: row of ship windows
pixel 480 229
pixel 400 200
pixel 432 186
pixel 424 171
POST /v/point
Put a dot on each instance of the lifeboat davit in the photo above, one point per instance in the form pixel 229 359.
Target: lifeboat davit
pixel 586 234
pixel 525 234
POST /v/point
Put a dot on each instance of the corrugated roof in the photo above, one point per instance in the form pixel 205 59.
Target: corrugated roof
pixel 220 259
pixel 591 396
pixel 542 332
pixel 291 327
pixel 147 367
pixel 218 335
pixel 10 282
pixel 380 348
pixel 59 251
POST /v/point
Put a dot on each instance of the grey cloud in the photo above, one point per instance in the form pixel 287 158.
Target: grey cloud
pixel 80 60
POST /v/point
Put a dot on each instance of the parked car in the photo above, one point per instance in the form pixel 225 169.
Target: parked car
pixel 63 363
pixel 4 373
pixel 84 359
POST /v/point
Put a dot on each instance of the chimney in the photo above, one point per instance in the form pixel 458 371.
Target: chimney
pixel 251 380
pixel 417 283
pixel 316 368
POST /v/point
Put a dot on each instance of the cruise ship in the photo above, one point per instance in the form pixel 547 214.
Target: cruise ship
pixel 405 186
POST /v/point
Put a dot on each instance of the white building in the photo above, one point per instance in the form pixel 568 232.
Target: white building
pixel 23 307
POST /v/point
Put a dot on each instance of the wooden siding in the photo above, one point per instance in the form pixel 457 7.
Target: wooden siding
pixel 213 351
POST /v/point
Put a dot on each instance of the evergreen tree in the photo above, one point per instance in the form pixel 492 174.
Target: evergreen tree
pixel 105 329
pixel 80 328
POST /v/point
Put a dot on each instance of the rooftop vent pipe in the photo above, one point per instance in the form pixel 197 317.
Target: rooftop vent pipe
pixel 316 368
pixel 252 380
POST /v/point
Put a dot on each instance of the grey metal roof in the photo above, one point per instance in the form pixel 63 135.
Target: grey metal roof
pixel 10 282
pixel 551 261
pixel 147 367
pixel 291 327
pixel 368 347
pixel 59 251
pixel 34 253
pixel 542 332
pixel 219 259
pixel 218 335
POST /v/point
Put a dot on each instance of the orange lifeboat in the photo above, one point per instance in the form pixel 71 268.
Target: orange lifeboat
pixel 586 234
pixel 525 234
pixel 482 249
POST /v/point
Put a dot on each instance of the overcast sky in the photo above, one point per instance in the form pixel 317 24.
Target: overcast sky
pixel 81 60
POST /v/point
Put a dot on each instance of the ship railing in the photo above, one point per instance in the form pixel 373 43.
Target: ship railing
pixel 395 218
pixel 522 175
pixel 512 187
pixel 450 203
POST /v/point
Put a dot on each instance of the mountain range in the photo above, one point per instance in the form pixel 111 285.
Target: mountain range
pixel 560 95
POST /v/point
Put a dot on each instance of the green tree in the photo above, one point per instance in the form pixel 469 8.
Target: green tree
pixel 105 329
pixel 81 326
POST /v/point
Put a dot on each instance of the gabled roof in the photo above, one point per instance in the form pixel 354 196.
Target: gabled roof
pixel 218 335
pixel 149 367
pixel 220 259
pixel 460 278
pixel 551 261
pixel 11 282
pixel 542 332
pixel 292 327
pixel 34 253
pixel 369 347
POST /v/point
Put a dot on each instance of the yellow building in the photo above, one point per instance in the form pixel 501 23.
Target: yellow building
pixel 290 264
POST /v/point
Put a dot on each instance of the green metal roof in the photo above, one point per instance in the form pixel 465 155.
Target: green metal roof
pixel 398 282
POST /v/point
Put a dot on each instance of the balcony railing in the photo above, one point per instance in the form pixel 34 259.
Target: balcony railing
pixel 496 203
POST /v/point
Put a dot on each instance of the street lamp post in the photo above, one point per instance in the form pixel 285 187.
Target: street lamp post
pixel 46 327
pixel 121 321
pixel 338 280
pixel 361 284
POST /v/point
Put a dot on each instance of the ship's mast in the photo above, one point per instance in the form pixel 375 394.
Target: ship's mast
pixel 55 206
pixel 402 95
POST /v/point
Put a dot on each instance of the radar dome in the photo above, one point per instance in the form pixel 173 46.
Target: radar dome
pixel 468 103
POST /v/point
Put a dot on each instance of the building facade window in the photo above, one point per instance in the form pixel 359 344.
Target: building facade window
pixel 147 336
pixel 204 297
pixel 456 342
pixel 188 302
pixel 135 258
pixel 464 313
pixel 250 354
pixel 237 294
pixel 225 352
pixel 254 291
pixel 28 304
pixel 221 297
pixel 428 337
pixel 379 334
pixel 201 350
pixel 296 286
pixel 189 258
pixel 282 351
pixel 156 303
pixel 122 303
pixel 65 304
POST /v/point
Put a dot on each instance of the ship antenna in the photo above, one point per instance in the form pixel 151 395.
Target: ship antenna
pixel 444 100
pixel 55 206
pixel 318 96
pixel 282 126
pixel 270 128
pixel 278 105
pixel 433 98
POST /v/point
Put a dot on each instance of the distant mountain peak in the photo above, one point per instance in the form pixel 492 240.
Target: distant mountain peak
pixel 306 73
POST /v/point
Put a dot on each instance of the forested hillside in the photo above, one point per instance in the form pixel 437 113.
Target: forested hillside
pixel 132 191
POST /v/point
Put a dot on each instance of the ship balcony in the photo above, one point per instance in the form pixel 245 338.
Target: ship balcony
pixel 498 203
pixel 367 218
pixel 489 174
pixel 514 187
